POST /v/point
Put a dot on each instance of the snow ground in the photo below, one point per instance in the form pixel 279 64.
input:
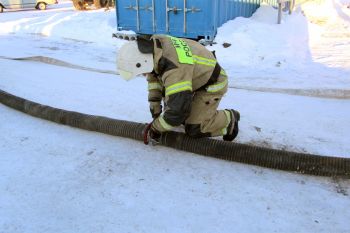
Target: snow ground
pixel 59 179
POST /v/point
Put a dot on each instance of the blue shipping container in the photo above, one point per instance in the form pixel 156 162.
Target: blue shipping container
pixel 197 19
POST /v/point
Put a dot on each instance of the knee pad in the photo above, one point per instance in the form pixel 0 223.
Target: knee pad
pixel 194 131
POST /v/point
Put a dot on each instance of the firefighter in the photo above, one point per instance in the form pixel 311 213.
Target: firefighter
pixel 187 78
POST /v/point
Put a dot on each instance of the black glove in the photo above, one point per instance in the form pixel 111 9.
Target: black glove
pixel 151 134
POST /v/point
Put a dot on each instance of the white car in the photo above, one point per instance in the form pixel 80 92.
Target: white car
pixel 20 4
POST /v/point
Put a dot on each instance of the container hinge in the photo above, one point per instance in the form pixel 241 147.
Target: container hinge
pixel 174 9
pixel 131 7
pixel 192 9
pixel 146 8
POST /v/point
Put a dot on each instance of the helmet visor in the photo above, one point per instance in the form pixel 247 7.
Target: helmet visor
pixel 126 75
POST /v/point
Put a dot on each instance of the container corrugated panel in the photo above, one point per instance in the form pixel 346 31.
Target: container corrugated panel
pixel 182 18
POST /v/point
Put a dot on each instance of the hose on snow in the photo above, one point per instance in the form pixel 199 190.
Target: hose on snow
pixel 265 157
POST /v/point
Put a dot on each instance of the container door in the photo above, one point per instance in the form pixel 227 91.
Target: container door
pixel 136 15
pixel 146 16
pixel 185 18
pixel 126 14
pixel 174 16
pixel 197 17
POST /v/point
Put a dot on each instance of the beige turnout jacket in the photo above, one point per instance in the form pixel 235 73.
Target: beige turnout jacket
pixel 181 68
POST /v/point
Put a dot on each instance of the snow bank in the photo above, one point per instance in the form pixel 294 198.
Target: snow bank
pixel 88 26
pixel 260 41
pixel 265 14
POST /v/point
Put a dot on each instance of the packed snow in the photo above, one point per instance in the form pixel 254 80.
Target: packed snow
pixel 290 81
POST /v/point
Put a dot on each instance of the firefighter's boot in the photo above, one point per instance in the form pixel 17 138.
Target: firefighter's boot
pixel 232 128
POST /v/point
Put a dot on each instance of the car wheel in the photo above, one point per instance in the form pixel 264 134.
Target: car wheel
pixel 100 3
pixel 79 5
pixel 112 3
pixel 41 6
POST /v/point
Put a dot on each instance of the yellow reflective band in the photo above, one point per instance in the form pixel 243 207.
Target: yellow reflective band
pixel 164 124
pixel 178 87
pixel 222 72
pixel 207 62
pixel 183 51
pixel 217 87
pixel 224 131
pixel 154 86
pixel 228 115
pixel 204 61
pixel 204 58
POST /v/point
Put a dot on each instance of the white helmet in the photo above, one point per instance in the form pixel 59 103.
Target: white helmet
pixel 131 62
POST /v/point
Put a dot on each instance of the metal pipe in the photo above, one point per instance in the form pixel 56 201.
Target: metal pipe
pixel 138 15
pixel 167 16
pixel 153 16
pixel 185 12
pixel 279 17
pixel 291 6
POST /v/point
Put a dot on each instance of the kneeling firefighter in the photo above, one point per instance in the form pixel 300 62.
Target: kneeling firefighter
pixel 189 80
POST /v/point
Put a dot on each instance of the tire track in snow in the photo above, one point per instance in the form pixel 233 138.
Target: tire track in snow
pixel 321 93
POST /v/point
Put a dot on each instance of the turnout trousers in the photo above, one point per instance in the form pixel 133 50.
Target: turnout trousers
pixel 205 120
